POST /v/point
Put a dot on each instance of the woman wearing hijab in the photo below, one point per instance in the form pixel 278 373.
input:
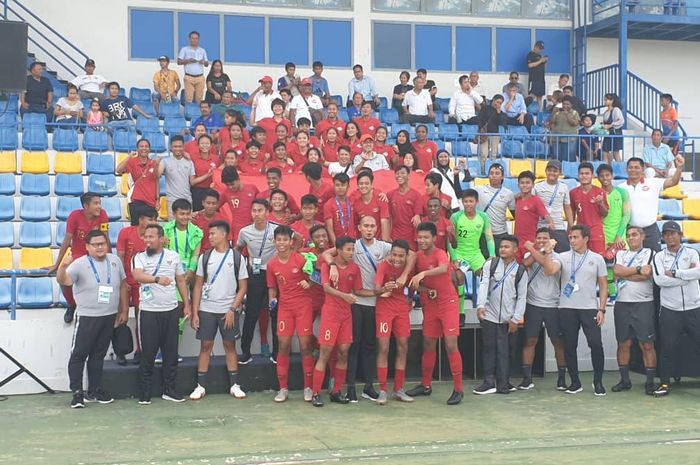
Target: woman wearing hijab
pixel 452 178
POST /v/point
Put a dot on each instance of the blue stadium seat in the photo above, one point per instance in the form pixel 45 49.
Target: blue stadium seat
pixel 518 133
pixel 439 117
pixel 7 184
pixel 60 232
pixel 8 120
pixel 432 130
pixel 338 99
pixel 571 183
pixel 440 144
pixel 147 125
pixel 11 105
pixel 383 103
pixel 536 149
pixel 33 119
pixel 161 183
pixel 7 208
pixel 470 131
pixel 34 184
pixel 8 138
pixel 443 103
pixel 671 209
pixel 512 149
pixel 34 234
pixel 35 208
pixel 65 140
pixel 103 184
pixel 192 111
pixel 65 206
pixel 503 163
pixel 140 95
pixel 474 167
pixel 168 110
pixel 174 125
pixel 619 169
pixel 35 292
pixel 343 114
pixel 7 234
pixel 389 115
pixel 570 169
pixel 98 163
pixel 461 148
pixel 124 140
pixel 512 184
pixel 5 293
pixel 35 138
pixel 148 108
pixel 114 229
pixel 449 132
pixel 157 140
pixel 96 141
pixel 68 184
pixel 395 128
pixel 113 207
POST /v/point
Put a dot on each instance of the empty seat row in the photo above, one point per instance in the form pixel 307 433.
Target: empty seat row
pixel 34 208
pixel 43 234
pixel 31 292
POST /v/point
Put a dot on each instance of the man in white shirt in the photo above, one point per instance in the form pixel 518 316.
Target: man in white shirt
pixel 465 102
pixel 194 58
pixel 304 104
pixel 261 100
pixel 558 86
pixel 90 85
pixel 417 104
pixel 368 158
pixel 476 85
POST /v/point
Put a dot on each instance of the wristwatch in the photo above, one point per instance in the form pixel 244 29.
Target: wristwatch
pixel 333 264
pixel 602 310
pixel 639 270
pixel 157 279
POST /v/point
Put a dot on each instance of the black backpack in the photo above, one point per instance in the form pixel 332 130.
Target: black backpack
pixel 518 274
pixel 236 262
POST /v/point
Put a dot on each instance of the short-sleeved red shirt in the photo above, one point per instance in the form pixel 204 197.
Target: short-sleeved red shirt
pixel 349 279
pixel 270 126
pixel 192 149
pixel 202 223
pixel 443 198
pixel 425 154
pixel 285 277
pixel 201 167
pixel 240 203
pixel 292 204
pixel 79 226
pixel 324 125
pixel 368 126
pixel 442 282
pixel 397 302
pixel 387 151
pixel 252 167
pixel 145 177
pixel 318 296
pixel 324 192
pixel 130 243
pixel 283 166
pixel 403 207
pixel 330 152
pixel 586 208
pixel 239 148
pixel 375 208
pixel 443 225
pixel 528 213
pixel 342 215
pixel 299 228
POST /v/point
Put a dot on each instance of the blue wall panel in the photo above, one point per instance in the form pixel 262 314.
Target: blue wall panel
pixel 244 39
pixel 289 41
pixel 557 43
pixel 332 42
pixel 473 49
pixel 512 46
pixel 208 28
pixel 151 34
pixel 392 46
pixel 434 47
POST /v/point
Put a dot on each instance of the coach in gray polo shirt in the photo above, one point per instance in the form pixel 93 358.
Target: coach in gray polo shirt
pixel 179 174
pixel 100 291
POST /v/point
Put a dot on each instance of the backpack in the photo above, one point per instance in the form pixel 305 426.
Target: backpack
pixel 236 262
pixel 518 274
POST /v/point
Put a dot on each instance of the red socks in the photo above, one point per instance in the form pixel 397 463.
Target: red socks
pixel 307 364
pixel 318 380
pixel 382 374
pixel 263 323
pixel 339 379
pixel 283 371
pixel 456 369
pixel 399 379
pixel 428 366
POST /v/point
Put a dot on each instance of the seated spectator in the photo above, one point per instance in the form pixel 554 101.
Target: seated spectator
pixel 270 124
pixel 228 103
pixel 95 119
pixel 306 105
pixel 232 117
pixel 298 149
pixel 401 148
pixel 409 161
pixel 514 108
pixel 234 142
pixel 355 110
pixel 116 109
pixel 658 157
pixel 425 150
pixel 304 125
pixel 259 135
pixel 38 97
pixel 476 85
pixel 330 145
pixel 559 85
pixel 380 144
pixel 194 59
pixel 565 121
pixel 589 143
pixel 331 121
pixel 212 121
pixel 489 119
pixel 192 147
pixel 417 104
pixel 352 137
pixel 344 163
pixel 217 83
pixel 669 123
pixel 429 85
pixel 290 80
pixel 286 96
pixel 319 84
pixel 253 164
pixel 166 82
pixel 261 99
pixel 205 163
pixel 368 158
pixel 555 101
pixel 90 85
pixel 400 91
pixel 314 156
pixel 465 103
pixel 576 103
pixel 364 85
pixel 69 109
pixel 514 78
pixel 366 122
pixel 279 159
pixel 282 135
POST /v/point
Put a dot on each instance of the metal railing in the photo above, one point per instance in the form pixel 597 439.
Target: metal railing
pixel 602 9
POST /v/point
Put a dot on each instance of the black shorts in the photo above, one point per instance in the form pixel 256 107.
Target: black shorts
pixel 634 319
pixel 208 325
pixel 537 88
pixel 535 316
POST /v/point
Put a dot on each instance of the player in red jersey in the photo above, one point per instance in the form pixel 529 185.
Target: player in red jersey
pixel 129 243
pixel 366 122
pixel 337 212
pixel 274 181
pixel 80 222
pixel 322 190
pixel 287 282
pixel 253 164
pixel 280 160
pixel 336 318
pixel 426 150
pixel 393 307
pixel 445 230
pixel 235 141
pixel 309 208
pixel 143 172
pixel 230 159
pixel 529 209
pixel 590 205
pixel 405 207
pixel 433 184
pixel 239 198
pixel 368 203
pixel 440 312
pixel 209 214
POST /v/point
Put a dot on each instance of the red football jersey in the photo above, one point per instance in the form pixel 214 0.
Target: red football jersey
pixel 285 277
pixel 349 279
pixel 203 223
pixel 443 225
pixel 201 167
pixel 145 177
pixel 374 208
pixel 368 126
pixel 403 207
pixel 299 228
pixel 586 208
pixel 442 282
pixel 326 124
pixel 130 243
pixel 283 166
pixel 292 205
pixel 324 192
pixel 397 302
pixel 341 213
pixel 425 154
pixel 270 126
pixel 528 212
pixel 240 203
pixel 252 167
pixel 79 226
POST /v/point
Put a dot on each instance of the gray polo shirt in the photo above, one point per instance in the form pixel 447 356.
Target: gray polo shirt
pixel 505 200
pixel 634 291
pixel 592 268
pixel 378 251
pixel 224 286
pixel 177 178
pixel 164 298
pixel 543 291
pixel 554 197
pixel 86 287
pixel 259 243
pixel 498 295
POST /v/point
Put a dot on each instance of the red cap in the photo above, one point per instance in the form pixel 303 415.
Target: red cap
pixel 306 82
pixel 366 137
pixel 265 79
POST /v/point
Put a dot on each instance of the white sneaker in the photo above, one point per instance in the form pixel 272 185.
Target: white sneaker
pixel 198 393
pixel 237 392
pixel 308 394
pixel 282 395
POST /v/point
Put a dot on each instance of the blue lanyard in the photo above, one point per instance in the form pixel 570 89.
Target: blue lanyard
pixel 187 242
pixel 554 195
pixel 97 276
pixel 674 265
pixel 218 269
pixel 629 263
pixel 160 260
pixel 368 255
pixel 505 275
pixel 343 223
pixel 535 273
pixel 264 239
pixel 488 205
pixel 574 267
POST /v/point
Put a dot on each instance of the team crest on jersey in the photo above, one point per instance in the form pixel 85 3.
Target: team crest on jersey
pixel 375 210
pixel 295 270
pixel 81 234
pixel 645 188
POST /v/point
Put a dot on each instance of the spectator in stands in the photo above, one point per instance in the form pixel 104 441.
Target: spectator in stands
pixel 38 98
pixel 489 119
pixel 658 157
pixel 364 85
pixel 452 178
pixel 166 83
pixel 204 165
pixel 286 97
pixel 536 64
pixel 351 136
pixel 116 109
pixel 565 121
pixel 576 103
pixel 465 103
pixel 344 163
pixel 514 78
pixel 332 121
pixel 368 158
pixel 669 123
pixel 95 119
pixel 429 85
pixel 290 80
pixel 402 146
pixel 217 83
pixel 179 174
pixel 425 149
pixel 476 85
pixel 306 104
pixel 554 102
pixel 400 91
pixel 212 121
pixel 271 124
pixel 228 104
pixel 69 109
pixel 561 83
pixel 90 85
pixel 261 100
pixel 102 297
pixel 589 143
pixel 355 110
pixel 613 121
pixel 194 58
pixel 366 122
pixel 319 84
pixel 417 104
pixel 515 109
pixel 144 174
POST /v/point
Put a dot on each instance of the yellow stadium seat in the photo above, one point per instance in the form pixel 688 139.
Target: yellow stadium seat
pixel 691 230
pixel 31 259
pixel 516 167
pixel 595 182
pixel 541 168
pixel 125 183
pixel 6 259
pixel 509 216
pixel 8 161
pixel 35 162
pixel 163 211
pixel 691 207
pixel 673 193
pixel 121 156
pixel 481 181
pixel 68 163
